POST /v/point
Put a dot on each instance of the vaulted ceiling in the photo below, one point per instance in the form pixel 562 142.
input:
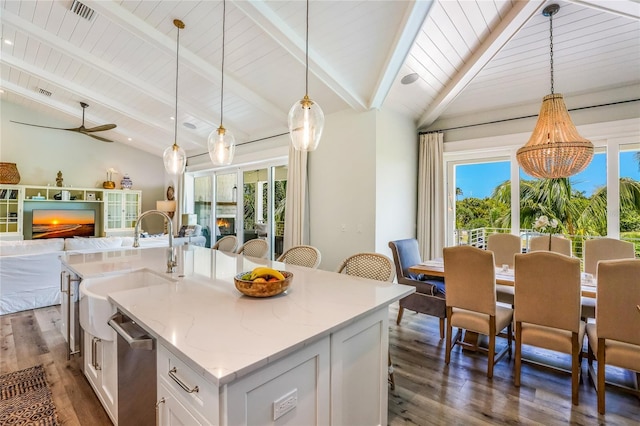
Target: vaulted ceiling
pixel 471 57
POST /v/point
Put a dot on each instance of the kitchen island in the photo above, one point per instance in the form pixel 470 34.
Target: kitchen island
pixel 315 355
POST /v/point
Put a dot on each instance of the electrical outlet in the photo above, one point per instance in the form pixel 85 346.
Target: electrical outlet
pixel 284 404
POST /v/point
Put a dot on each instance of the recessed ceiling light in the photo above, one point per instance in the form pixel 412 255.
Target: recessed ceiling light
pixel 1 90
pixel 189 125
pixel 409 78
pixel 172 118
pixel 129 139
pixel 9 42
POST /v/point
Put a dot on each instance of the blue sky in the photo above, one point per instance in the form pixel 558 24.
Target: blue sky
pixel 479 180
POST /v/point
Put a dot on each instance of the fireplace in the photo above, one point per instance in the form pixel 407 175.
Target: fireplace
pixel 226 225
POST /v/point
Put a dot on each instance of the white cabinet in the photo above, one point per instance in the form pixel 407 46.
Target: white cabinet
pixel 70 315
pixel 101 370
pixel 184 389
pixel 291 391
pixel 121 210
pixel 11 197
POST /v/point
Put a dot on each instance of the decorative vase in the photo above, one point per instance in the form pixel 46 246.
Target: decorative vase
pixel 9 173
pixel 126 182
pixel 109 184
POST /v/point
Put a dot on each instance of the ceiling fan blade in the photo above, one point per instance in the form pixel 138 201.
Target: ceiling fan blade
pixel 100 128
pixel 44 127
pixel 100 138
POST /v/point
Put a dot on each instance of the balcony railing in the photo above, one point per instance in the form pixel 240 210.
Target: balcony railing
pixel 478 238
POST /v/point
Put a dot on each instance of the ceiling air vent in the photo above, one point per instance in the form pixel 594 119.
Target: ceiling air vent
pixel 82 10
pixel 44 92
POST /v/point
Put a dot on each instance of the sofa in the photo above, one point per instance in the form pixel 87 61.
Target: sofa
pixel 30 269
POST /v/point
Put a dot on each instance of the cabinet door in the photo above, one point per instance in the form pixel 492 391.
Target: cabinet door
pixel 131 209
pixel 113 213
pixel 11 199
pixel 170 412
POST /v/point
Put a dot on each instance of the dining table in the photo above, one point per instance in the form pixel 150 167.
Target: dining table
pixel 504 275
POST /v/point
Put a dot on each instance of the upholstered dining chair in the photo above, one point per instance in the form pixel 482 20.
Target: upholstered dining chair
pixel 429 296
pixel 504 248
pixel 226 243
pixel 470 275
pixel 301 255
pixel 615 336
pixel 550 243
pixel 254 248
pixel 598 249
pixel 547 308
pixel 373 266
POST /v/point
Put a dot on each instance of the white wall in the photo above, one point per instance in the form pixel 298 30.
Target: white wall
pixel 396 179
pixel 40 153
pixel 342 181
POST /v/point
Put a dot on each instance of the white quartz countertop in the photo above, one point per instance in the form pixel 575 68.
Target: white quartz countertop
pixel 222 334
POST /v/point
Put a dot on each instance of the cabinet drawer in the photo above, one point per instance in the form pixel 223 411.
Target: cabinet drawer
pixel 188 386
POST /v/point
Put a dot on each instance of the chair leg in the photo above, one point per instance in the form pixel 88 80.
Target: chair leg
pixel 600 357
pixel 447 356
pixel 392 381
pixel 576 348
pixel 510 336
pixel 399 318
pixel 492 346
pixel 441 328
pixel 518 361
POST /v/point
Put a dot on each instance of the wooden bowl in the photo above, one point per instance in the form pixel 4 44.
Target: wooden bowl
pixel 267 289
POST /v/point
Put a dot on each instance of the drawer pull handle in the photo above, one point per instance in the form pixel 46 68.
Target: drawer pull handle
pixel 162 401
pixel 172 374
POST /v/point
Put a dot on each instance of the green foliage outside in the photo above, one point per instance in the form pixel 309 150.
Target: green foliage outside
pixel 577 214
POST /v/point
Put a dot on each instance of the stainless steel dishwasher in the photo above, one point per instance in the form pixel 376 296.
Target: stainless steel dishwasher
pixel 136 372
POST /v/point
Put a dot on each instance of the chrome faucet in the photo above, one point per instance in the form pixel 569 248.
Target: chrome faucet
pixel 172 261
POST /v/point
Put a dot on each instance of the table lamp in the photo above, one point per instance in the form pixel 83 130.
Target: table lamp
pixel 167 206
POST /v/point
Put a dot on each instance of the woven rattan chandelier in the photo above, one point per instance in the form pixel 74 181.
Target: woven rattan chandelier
pixel 555 149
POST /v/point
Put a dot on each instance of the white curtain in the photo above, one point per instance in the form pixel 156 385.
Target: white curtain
pixel 296 228
pixel 431 206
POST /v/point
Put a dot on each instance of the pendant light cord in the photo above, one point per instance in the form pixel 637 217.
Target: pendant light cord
pixel 224 18
pixel 551 48
pixel 175 124
pixel 306 78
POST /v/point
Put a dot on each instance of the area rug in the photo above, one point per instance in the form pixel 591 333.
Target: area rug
pixel 25 398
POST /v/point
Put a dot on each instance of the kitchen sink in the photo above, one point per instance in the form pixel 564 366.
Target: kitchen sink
pixel 95 308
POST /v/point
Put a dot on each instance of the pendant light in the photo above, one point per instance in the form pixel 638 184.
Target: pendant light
pixel 221 143
pixel 306 119
pixel 174 157
pixel 555 149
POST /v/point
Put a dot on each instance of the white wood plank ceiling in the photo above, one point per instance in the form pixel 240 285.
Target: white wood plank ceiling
pixel 471 57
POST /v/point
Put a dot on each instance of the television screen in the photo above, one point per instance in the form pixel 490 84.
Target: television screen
pixel 63 223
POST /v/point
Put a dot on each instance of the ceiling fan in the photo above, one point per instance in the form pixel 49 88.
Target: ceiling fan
pixel 80 129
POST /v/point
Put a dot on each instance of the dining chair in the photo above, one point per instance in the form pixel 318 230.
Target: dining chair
pixel 547 308
pixel 605 249
pixel 504 248
pixel 301 255
pixel 598 249
pixel 615 336
pixel 550 243
pixel 374 266
pixel 470 275
pixel 254 248
pixel 227 243
pixel 429 296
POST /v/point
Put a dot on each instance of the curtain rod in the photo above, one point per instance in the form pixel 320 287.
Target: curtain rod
pixel 522 117
pixel 245 143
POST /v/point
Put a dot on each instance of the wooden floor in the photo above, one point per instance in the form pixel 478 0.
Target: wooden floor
pixel 427 392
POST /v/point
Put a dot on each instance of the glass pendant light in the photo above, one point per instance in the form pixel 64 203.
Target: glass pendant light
pixel 174 157
pixel 221 142
pixel 306 119
pixel 555 149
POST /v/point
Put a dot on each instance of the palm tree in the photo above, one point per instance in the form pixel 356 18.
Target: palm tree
pixel 555 199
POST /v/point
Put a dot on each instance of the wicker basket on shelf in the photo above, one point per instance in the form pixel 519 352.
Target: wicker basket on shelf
pixel 9 173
